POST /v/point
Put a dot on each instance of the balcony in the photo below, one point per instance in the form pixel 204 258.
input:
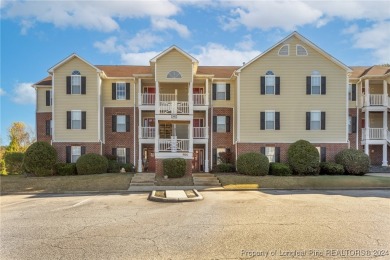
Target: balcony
pixel 147 99
pixel 174 107
pixel 173 145
pixel 147 132
pixel 373 134
pixel 200 132
pixel 373 100
pixel 200 99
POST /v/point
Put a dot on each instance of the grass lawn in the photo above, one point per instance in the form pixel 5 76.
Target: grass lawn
pixel 58 184
pixel 237 181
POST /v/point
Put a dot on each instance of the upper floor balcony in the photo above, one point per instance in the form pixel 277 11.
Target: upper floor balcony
pixel 375 100
pixel 150 132
pixel 149 99
pixel 375 135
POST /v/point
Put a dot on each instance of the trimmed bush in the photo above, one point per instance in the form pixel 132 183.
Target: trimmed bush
pixel 129 167
pixel 174 168
pixel 14 162
pixel 303 158
pixel 113 166
pixel 253 164
pixel 279 169
pixel 224 167
pixel 355 162
pixel 40 158
pixel 331 168
pixel 91 164
pixel 64 169
pixel 111 157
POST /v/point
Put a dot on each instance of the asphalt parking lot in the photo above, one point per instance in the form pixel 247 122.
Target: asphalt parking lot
pixel 225 225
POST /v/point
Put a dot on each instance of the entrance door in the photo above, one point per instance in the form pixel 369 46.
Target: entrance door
pixel 149 161
pixel 198 160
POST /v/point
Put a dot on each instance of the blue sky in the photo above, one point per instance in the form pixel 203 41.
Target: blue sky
pixel 35 35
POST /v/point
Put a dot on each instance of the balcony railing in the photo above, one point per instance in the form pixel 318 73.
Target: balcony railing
pixel 200 132
pixel 147 99
pixel 174 107
pixel 373 134
pixel 173 145
pixel 375 100
pixel 147 132
pixel 199 99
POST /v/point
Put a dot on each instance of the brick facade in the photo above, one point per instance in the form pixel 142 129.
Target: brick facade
pixel 160 168
pixel 89 148
pixel 41 119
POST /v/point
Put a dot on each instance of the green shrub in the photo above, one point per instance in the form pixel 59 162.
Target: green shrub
pixel 2 167
pixel 129 167
pixel 224 167
pixel 113 166
pixel 91 164
pixel 303 158
pixel 14 162
pixel 331 168
pixel 252 164
pixel 355 162
pixel 40 158
pixel 111 157
pixel 64 169
pixel 279 169
pixel 174 168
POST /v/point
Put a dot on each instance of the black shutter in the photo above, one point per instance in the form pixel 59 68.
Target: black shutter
pixel 83 120
pixel 128 91
pixel 113 91
pixel 113 151
pixel 83 149
pixel 47 98
pixel 68 85
pixel 47 127
pixel 214 123
pixel 127 123
pixel 227 91
pixel 277 85
pixel 215 158
pixel 227 124
pixel 354 121
pixel 127 155
pixel 214 91
pixel 353 92
pixel 323 116
pixel 83 85
pixel 262 150
pixel 68 120
pixel 277 120
pixel 114 123
pixel 277 154
pixel 262 120
pixel 68 154
pixel 323 154
pixel 308 118
pixel 308 85
pixel 262 85
pixel 323 85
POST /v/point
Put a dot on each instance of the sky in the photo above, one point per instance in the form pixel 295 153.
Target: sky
pixel 35 35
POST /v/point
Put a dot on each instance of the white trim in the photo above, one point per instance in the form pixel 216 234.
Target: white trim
pixel 73 55
pixel 173 47
pixel 116 89
pixel 296 51
pixel 238 86
pixel 265 119
pixel 99 107
pixel 71 120
pixel 288 50
pixel 52 109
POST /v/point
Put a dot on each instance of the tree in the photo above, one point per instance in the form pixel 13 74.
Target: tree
pixel 20 137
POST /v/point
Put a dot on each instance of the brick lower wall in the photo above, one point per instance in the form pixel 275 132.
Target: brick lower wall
pixel 41 126
pixel 160 168
pixel 61 148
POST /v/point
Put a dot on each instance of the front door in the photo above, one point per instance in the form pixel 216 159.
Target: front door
pixel 149 162
pixel 197 161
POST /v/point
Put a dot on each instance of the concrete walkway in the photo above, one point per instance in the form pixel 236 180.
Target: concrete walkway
pixel 378 174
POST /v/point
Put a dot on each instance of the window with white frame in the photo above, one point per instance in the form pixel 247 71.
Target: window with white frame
pixel 269 83
pixel 76 82
pixel 120 90
pixel 121 155
pixel 319 152
pixel 315 83
pixel 219 152
pixel 121 123
pixel 350 124
pixel 301 51
pixel 315 120
pixel 75 153
pixel 221 91
pixel 221 124
pixel 76 119
pixel 174 75
pixel 284 50
pixel 270 120
pixel 51 127
pixel 270 153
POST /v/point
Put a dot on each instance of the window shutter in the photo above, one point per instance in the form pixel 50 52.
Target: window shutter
pixel 83 149
pixel 277 85
pixel 262 120
pixel 47 98
pixel 323 85
pixel 68 120
pixel 323 116
pixel 113 151
pixel 128 91
pixel 308 115
pixel 214 123
pixel 354 121
pixel 262 85
pixel 127 123
pixel 227 91
pixel 227 124
pixel 113 91
pixel 83 120
pixel 277 154
pixel 215 158
pixel 127 155
pixel 353 92
pixel 68 154
pixel 47 127
pixel 323 154
pixel 277 120
pixel 114 123
pixel 262 150
pixel 83 85
pixel 308 85
pixel 68 85
pixel 214 91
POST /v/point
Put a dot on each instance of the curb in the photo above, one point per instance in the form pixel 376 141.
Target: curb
pixel 152 197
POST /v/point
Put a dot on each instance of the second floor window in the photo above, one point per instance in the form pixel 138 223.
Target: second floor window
pixel 48 98
pixel 121 91
pixel 221 91
pixel 269 83
pixel 76 119
pixel 76 82
pixel 352 92
pixel 221 124
pixel 269 120
pixel 315 120
pixel 315 84
pixel 121 123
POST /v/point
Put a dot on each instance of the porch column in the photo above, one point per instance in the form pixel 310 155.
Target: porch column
pixel 367 92
pixel 190 98
pixel 139 92
pixel 384 154
pixel 156 136
pixel 207 125
pixel 191 136
pixel 207 92
pixel 206 158
pixel 140 152
pixel 157 99
pixel 385 125
pixel 367 124
pixel 366 149
pixel 385 94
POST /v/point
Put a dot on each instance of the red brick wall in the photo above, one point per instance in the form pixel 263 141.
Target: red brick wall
pixel 41 126
pixel 61 148
pixel 160 168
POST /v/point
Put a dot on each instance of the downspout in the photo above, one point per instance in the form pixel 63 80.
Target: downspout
pixel 212 124
pixel 134 126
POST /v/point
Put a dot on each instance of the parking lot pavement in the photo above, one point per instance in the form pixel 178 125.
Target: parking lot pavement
pixel 229 224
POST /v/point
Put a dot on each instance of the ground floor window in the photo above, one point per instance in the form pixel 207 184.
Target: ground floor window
pixel 121 155
pixel 76 153
pixel 220 153
pixel 270 153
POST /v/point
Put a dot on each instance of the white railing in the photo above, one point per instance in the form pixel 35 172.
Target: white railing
pixel 173 145
pixel 375 100
pixel 167 97
pixel 147 132
pixel 199 99
pixel 388 135
pixel 200 132
pixel 373 134
pixel 147 99
pixel 174 107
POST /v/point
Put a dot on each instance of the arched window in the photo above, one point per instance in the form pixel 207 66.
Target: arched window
pixel 284 50
pixel 269 82
pixel 174 75
pixel 315 83
pixel 76 82
pixel 301 51
pixel 76 72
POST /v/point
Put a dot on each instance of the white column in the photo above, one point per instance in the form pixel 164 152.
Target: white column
pixel 207 92
pixel 366 149
pixel 207 124
pixel 385 123
pixel 206 159
pixel 156 136
pixel 140 152
pixel 385 94
pixel 367 92
pixel 191 136
pixel 139 92
pixel 190 98
pixel 384 153
pixel 157 99
pixel 367 124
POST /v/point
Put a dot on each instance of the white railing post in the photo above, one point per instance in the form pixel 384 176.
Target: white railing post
pixel 207 92
pixel 367 93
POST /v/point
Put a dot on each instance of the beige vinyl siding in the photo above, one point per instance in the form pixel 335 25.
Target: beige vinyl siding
pixel 107 93
pixel 293 103
pixel 169 88
pixel 174 60
pixel 41 99
pixel 64 102
pixel 224 103
pixel 353 104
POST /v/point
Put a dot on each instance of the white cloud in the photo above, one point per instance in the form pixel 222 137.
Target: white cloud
pixel 2 92
pixel 143 40
pixel 108 46
pixel 163 23
pixel 23 94
pixel 246 44
pixel 138 58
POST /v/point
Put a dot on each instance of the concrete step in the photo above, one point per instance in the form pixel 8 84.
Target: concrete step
pixel 141 181
pixel 203 175
pixel 207 181
pixel 142 184
pixel 204 178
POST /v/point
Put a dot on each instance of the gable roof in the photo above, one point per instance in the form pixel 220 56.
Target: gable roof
pixel 174 47
pixel 217 71
pixel 44 82
pixel 369 71
pixel 303 39
pixel 73 55
pixel 123 70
